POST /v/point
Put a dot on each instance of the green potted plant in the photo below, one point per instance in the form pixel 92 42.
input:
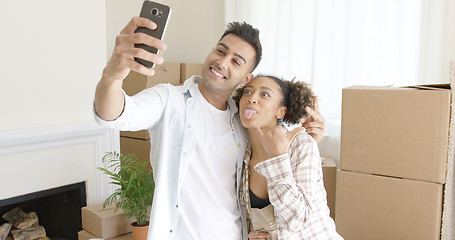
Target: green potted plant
pixel 134 194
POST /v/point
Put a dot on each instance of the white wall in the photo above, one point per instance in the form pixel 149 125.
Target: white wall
pixel 51 56
pixel 118 14
pixel 193 30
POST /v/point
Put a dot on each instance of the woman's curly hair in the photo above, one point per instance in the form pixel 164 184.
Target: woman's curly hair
pixel 296 96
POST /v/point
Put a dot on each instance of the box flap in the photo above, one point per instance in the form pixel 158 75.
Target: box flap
pixel 109 211
pixel 99 207
pixel 366 87
pixel 436 86
pixel 441 86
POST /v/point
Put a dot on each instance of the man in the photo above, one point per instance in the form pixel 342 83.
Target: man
pixel 197 139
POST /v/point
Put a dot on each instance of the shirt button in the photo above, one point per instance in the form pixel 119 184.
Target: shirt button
pixel 170 231
pixel 184 154
pixel 238 145
pixel 177 206
pixel 188 126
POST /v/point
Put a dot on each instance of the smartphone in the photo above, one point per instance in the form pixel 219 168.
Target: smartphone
pixel 159 14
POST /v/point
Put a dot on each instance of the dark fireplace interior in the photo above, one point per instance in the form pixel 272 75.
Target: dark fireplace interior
pixel 58 209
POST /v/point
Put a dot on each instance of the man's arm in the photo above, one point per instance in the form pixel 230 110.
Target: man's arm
pixel 109 100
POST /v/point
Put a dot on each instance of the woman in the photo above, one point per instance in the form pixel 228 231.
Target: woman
pixel 282 186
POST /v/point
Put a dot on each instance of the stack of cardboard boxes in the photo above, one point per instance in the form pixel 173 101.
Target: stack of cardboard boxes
pixel 104 223
pixel 329 175
pixel 393 162
pixel 173 73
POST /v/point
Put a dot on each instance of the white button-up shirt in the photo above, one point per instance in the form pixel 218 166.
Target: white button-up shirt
pixel 167 112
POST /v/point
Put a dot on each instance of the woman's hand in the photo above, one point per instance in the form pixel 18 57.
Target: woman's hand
pixel 276 142
pixel 314 124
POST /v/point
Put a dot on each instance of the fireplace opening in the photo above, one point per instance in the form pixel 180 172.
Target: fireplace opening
pixel 58 209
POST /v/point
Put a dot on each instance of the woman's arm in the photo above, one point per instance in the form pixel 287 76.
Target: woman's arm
pixel 291 179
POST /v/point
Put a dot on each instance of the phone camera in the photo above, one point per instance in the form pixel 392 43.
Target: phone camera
pixel 156 12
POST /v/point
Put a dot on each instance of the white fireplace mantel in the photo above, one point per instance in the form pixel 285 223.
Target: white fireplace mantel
pixel 95 140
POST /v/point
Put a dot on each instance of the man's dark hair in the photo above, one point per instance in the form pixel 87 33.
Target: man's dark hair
pixel 249 34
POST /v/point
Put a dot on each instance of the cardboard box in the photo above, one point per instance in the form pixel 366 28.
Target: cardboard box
pixel 165 73
pixel 400 132
pixel 329 170
pixel 105 223
pixel 377 207
pixel 84 235
pixel 138 146
pixel 189 69
pixel 143 134
pixel 128 236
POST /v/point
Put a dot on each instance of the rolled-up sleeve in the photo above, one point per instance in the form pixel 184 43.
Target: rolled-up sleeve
pixel 140 111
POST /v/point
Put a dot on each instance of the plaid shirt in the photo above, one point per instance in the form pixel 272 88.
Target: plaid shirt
pixel 296 191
